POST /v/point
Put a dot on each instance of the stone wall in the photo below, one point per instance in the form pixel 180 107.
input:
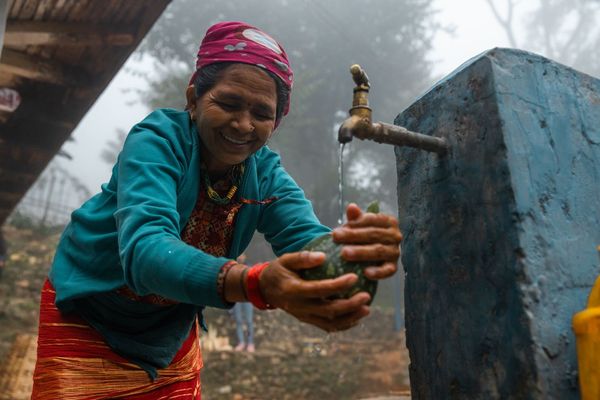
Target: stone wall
pixel 501 234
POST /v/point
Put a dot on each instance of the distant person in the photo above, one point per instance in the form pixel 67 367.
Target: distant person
pixel 243 313
pixel 3 254
pixel 139 261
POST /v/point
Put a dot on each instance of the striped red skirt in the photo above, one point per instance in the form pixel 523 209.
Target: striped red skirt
pixel 74 363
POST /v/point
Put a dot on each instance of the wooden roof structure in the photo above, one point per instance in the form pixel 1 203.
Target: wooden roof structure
pixel 59 55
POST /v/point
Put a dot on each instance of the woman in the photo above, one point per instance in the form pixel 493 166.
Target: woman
pixel 139 261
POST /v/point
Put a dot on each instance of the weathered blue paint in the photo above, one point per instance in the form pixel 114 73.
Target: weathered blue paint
pixel 501 234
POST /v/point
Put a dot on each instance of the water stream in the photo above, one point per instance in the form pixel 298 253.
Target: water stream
pixel 341 183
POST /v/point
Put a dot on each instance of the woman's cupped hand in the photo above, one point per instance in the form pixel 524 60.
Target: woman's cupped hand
pixel 374 238
pixel 282 287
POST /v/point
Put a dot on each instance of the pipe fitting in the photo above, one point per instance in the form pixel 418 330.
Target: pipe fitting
pixel 359 122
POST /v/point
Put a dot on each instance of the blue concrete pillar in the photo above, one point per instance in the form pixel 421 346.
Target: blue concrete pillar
pixel 501 234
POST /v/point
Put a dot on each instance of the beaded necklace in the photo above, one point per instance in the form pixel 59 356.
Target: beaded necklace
pixel 235 176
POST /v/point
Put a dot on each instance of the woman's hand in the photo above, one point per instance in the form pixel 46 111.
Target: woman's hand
pixel 281 287
pixel 370 237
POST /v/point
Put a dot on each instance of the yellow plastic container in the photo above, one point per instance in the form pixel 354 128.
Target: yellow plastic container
pixel 586 325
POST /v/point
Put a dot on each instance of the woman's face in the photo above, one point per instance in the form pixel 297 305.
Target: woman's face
pixel 235 117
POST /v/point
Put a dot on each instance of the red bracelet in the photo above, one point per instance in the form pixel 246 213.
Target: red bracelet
pixel 222 277
pixel 252 287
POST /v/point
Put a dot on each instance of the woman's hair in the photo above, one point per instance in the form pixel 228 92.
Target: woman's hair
pixel 208 76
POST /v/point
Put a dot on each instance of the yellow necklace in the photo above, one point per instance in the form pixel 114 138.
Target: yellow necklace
pixel 235 173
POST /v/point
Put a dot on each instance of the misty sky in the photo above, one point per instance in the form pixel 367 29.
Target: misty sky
pixel 475 30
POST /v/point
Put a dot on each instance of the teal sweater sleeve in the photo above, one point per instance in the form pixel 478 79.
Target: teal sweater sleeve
pixel 153 257
pixel 289 222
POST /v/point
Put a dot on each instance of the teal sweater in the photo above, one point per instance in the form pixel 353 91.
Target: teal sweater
pixel 129 234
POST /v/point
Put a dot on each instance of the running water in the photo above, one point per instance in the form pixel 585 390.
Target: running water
pixel 341 183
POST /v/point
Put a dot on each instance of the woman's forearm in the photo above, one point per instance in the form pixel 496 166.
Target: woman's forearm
pixel 234 284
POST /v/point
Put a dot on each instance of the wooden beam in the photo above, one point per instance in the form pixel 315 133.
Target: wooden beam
pixel 9 80
pixel 35 68
pixel 10 179
pixel 35 33
pixel 4 8
pixel 13 196
pixel 20 166
pixel 13 186
pixel 4 116
pixel 22 158
pixel 62 105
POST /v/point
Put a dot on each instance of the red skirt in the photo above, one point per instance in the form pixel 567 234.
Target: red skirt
pixel 74 363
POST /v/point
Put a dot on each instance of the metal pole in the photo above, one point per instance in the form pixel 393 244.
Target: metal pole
pixel 400 136
pixel 3 17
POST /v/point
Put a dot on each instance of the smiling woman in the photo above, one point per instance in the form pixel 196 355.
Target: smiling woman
pixel 235 118
pixel 139 261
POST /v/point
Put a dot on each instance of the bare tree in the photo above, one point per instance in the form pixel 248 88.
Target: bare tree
pixel 564 30
pixel 110 153
pixel 505 22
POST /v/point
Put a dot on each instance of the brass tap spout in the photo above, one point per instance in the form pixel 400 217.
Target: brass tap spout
pixel 359 123
pixel 360 114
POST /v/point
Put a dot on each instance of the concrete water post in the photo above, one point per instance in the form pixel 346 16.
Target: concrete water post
pixel 501 233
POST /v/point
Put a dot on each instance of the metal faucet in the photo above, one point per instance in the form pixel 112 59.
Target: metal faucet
pixel 359 123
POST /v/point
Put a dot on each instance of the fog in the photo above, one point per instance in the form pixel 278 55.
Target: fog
pixel 404 45
pixel 118 107
pixel 472 26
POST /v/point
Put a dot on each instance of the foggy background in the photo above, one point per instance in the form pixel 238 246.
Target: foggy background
pixel 405 46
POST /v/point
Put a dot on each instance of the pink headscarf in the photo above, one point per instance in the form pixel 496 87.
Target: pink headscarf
pixel 234 41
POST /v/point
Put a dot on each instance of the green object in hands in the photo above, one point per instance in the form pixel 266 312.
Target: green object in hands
pixel 335 266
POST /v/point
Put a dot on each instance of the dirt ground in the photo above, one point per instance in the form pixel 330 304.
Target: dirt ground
pixel 292 361
pixel 296 361
pixel 30 253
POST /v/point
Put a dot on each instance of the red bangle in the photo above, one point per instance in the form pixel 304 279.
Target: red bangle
pixel 252 287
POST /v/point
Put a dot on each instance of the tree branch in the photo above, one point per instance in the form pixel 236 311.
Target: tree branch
pixel 506 24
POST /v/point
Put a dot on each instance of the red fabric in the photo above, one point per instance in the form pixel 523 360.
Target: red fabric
pixel 233 41
pixel 210 227
pixel 68 339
